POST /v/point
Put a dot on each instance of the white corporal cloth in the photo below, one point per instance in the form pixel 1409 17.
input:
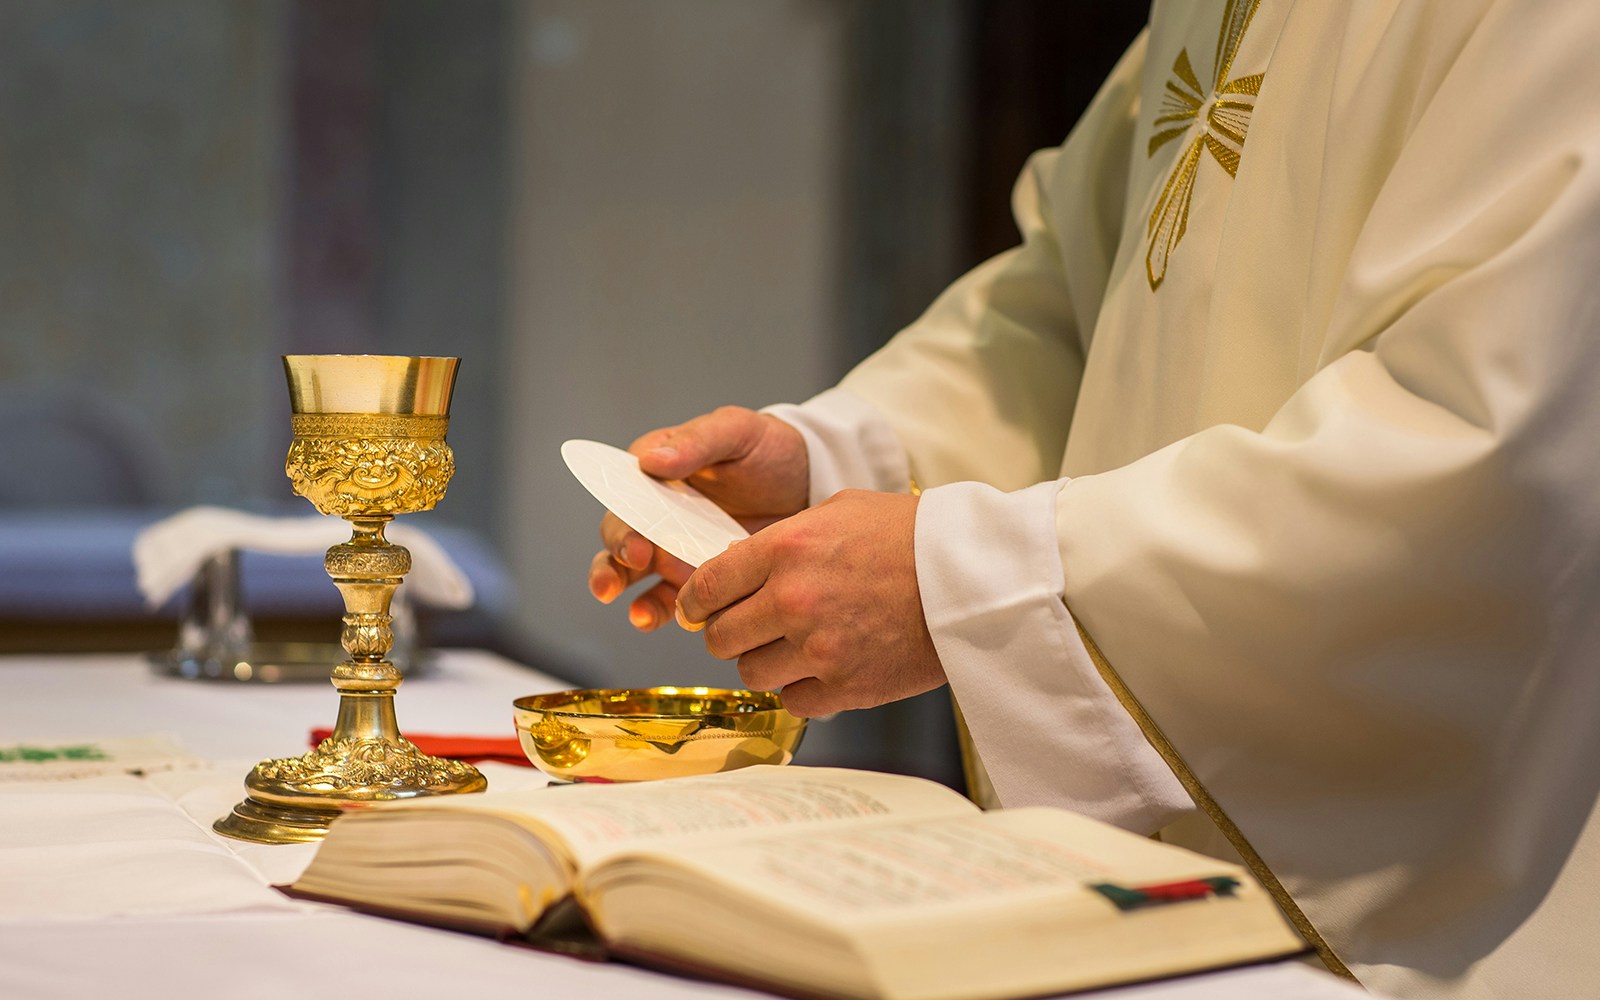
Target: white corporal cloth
pixel 1289 396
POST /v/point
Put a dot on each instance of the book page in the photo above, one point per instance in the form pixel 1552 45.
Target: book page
pixel 595 821
pixel 997 904
pixel 911 866
pixel 901 866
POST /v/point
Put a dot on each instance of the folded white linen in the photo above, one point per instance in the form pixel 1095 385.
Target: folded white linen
pixel 116 846
pixel 168 553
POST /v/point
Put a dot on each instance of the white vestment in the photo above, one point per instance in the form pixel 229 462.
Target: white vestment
pixel 1291 394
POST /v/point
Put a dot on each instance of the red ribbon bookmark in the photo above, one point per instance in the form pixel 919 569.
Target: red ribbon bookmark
pixel 472 749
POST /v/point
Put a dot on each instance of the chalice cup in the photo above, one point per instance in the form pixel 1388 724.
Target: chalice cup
pixel 368 444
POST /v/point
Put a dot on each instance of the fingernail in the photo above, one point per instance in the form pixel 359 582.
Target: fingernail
pixel 664 454
pixel 604 590
pixel 641 618
pixel 683 620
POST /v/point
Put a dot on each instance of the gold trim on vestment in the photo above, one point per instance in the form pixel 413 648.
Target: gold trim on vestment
pixel 1208 805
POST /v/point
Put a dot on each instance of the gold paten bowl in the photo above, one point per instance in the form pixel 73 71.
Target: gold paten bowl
pixel 640 734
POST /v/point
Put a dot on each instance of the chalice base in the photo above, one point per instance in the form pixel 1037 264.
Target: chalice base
pixel 264 823
pixel 294 800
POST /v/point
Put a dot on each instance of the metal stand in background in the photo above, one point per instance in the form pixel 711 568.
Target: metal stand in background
pixel 216 640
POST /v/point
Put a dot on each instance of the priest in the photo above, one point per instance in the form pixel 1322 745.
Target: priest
pixel 1255 497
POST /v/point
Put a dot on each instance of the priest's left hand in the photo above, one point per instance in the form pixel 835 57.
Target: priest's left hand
pixel 823 604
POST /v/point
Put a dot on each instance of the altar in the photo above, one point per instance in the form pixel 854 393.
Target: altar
pixel 118 883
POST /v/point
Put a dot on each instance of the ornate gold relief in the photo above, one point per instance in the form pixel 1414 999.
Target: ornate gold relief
pixel 366 765
pixel 354 464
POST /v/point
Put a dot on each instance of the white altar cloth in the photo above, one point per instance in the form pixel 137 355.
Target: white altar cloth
pixel 116 884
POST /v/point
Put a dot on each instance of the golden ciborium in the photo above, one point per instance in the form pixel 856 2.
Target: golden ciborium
pixel 368 444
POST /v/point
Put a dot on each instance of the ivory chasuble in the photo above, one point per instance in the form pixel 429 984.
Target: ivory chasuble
pixel 1290 398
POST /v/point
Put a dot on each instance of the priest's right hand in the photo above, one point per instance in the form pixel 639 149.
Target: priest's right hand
pixel 753 465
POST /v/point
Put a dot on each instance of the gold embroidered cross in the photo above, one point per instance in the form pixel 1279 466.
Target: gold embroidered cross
pixel 1223 114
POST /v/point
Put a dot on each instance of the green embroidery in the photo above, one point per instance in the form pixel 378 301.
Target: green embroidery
pixel 24 753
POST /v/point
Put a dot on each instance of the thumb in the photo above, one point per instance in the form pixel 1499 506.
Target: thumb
pixel 679 452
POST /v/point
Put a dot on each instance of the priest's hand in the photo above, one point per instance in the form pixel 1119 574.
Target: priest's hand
pixel 823 605
pixel 752 464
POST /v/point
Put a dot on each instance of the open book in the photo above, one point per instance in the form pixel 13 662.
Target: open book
pixel 816 882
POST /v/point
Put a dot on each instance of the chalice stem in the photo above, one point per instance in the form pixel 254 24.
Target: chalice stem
pixel 366 715
pixel 367 570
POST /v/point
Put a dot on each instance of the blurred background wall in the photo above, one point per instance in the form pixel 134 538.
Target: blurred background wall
pixel 619 214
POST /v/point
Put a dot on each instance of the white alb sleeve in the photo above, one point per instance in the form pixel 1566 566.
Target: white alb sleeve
pixel 1047 728
pixel 848 444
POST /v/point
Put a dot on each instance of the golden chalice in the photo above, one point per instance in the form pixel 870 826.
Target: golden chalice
pixel 368 444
